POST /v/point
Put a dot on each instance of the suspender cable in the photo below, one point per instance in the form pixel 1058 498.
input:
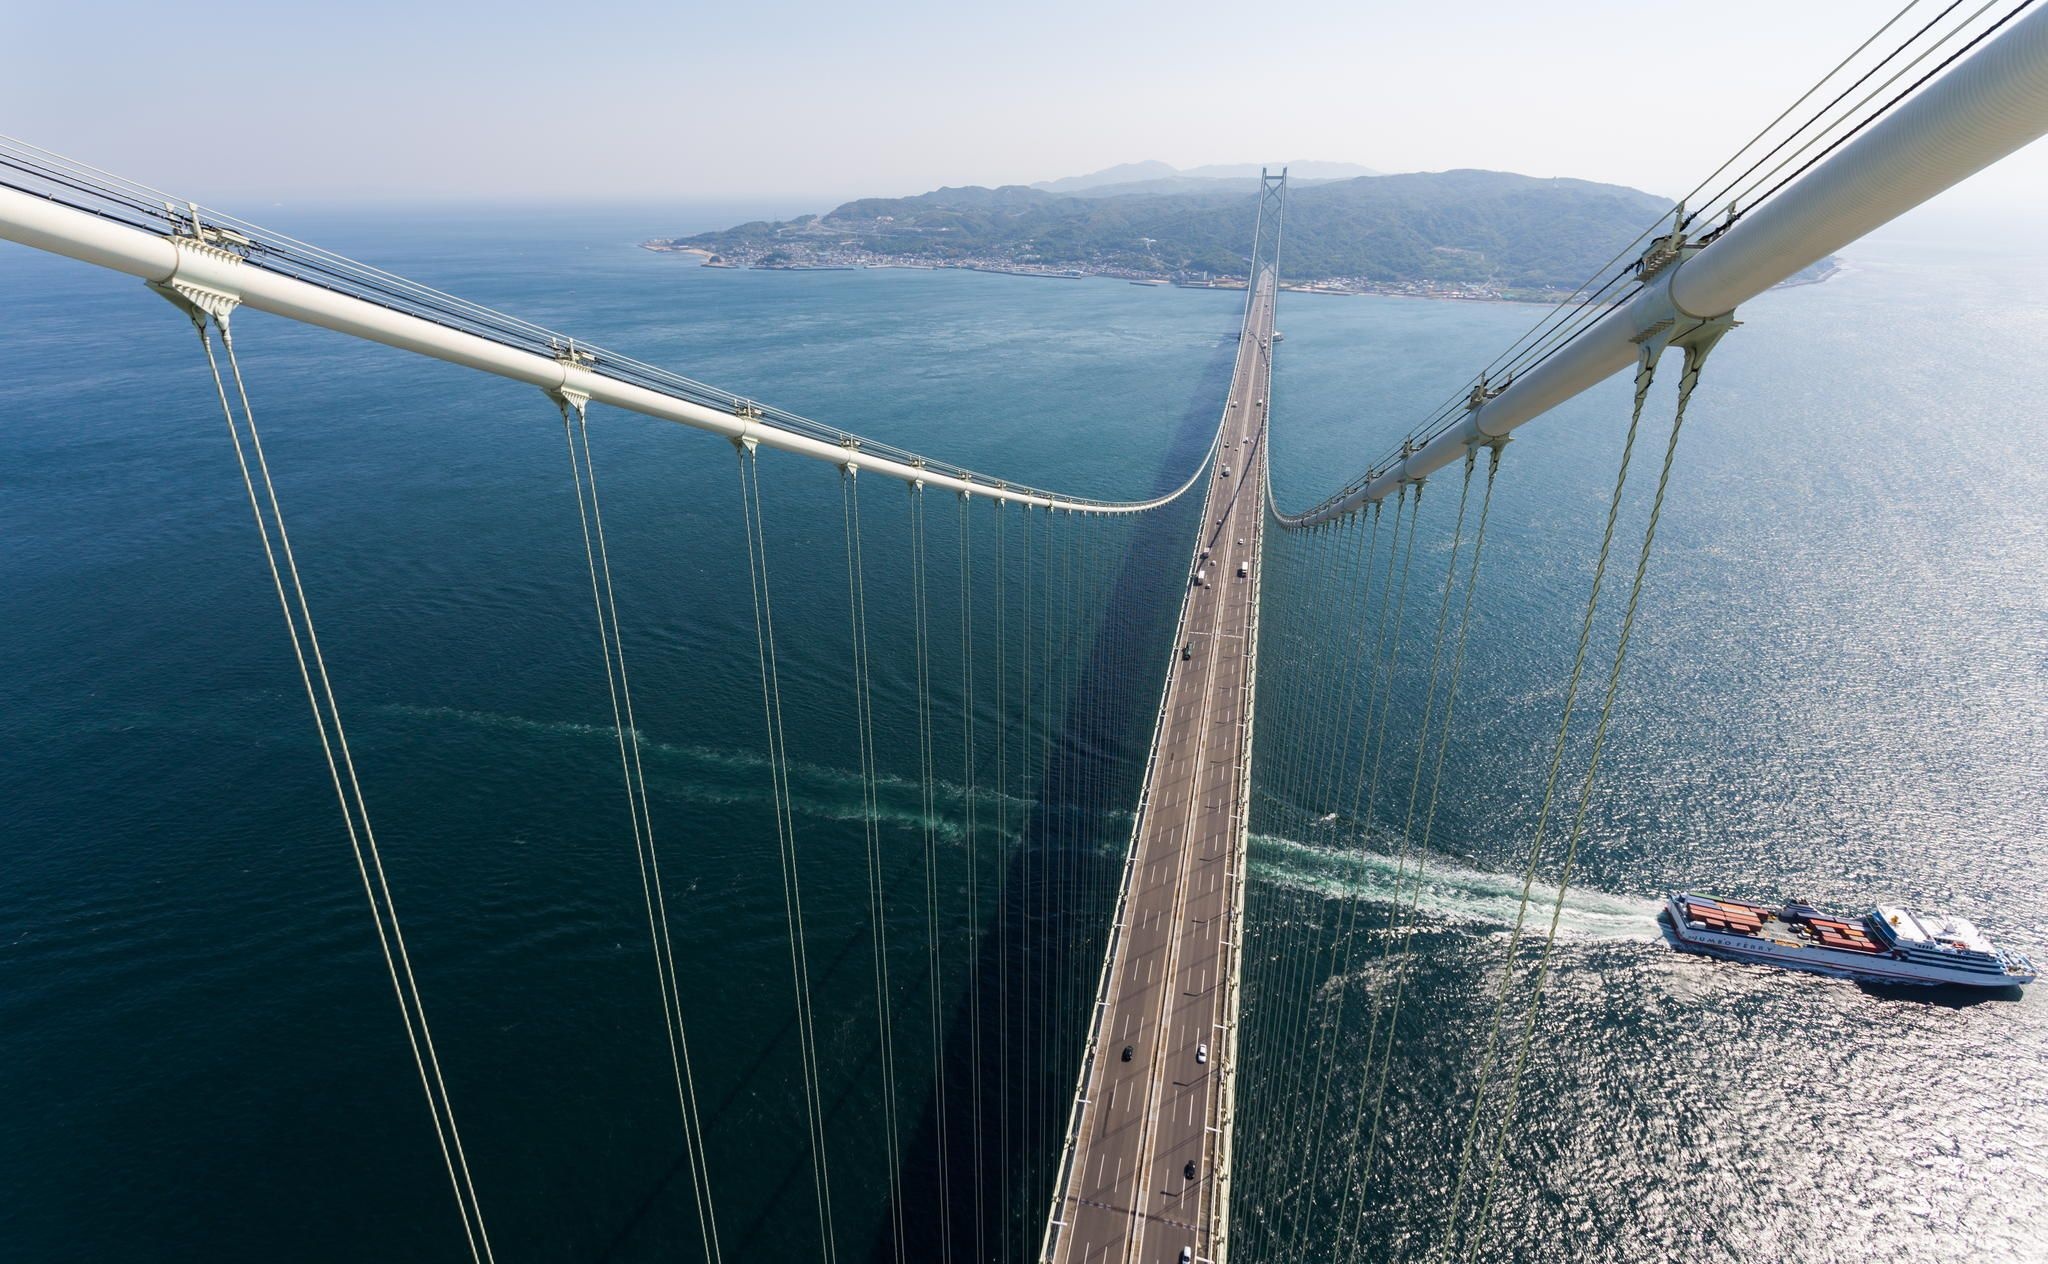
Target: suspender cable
pixel 1301 712
pixel 1428 823
pixel 1387 976
pixel 1004 858
pixel 1296 1127
pixel 1099 648
pixel 1289 971
pixel 967 798
pixel 1695 354
pixel 1341 951
pixel 1333 761
pixel 1646 369
pixel 1339 752
pixel 1028 1069
pixel 878 913
pixel 1293 716
pixel 348 790
pixel 933 955
pixel 1069 816
pixel 1104 865
pixel 1063 868
pixel 1081 740
pixel 753 520
pixel 1401 849
pixel 1047 977
pixel 1293 972
pixel 1298 974
pixel 597 559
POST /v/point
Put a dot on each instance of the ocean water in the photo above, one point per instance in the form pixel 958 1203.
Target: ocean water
pixel 1837 690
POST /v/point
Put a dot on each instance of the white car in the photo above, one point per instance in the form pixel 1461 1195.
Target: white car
pixel 1202 1053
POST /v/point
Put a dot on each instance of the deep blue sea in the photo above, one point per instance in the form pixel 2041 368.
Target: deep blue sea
pixel 1837 690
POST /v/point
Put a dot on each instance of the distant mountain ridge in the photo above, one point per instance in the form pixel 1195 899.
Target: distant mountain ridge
pixel 1475 233
pixel 1154 174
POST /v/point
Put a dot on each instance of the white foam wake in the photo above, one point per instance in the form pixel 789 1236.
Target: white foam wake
pixel 1451 891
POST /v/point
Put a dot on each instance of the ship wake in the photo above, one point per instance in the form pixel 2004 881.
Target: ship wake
pixel 1452 891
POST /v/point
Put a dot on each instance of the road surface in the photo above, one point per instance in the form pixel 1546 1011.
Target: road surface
pixel 1127 1194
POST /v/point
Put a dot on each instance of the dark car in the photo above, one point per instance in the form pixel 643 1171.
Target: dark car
pixel 1189 1170
pixel 1127 1053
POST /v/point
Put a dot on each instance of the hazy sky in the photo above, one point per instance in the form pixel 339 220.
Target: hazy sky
pixel 245 104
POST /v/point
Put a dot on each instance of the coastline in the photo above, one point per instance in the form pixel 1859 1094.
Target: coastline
pixel 1457 292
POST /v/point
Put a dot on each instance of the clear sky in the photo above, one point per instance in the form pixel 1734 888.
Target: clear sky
pixel 244 104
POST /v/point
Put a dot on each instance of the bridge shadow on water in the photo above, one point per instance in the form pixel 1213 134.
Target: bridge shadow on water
pixel 1066 856
pixel 745 1243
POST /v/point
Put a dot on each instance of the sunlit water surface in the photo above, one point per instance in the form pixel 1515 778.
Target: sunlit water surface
pixel 1838 690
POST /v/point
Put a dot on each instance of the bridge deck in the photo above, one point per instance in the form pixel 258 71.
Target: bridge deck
pixel 1172 973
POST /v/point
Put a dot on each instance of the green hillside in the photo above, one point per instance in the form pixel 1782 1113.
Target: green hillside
pixel 1455 227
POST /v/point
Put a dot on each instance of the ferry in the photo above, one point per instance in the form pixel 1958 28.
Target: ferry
pixel 1886 945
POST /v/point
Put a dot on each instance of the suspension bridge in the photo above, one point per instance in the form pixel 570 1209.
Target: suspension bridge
pixel 1213 1113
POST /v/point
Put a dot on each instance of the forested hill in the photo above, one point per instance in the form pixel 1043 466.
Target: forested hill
pixel 1460 229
